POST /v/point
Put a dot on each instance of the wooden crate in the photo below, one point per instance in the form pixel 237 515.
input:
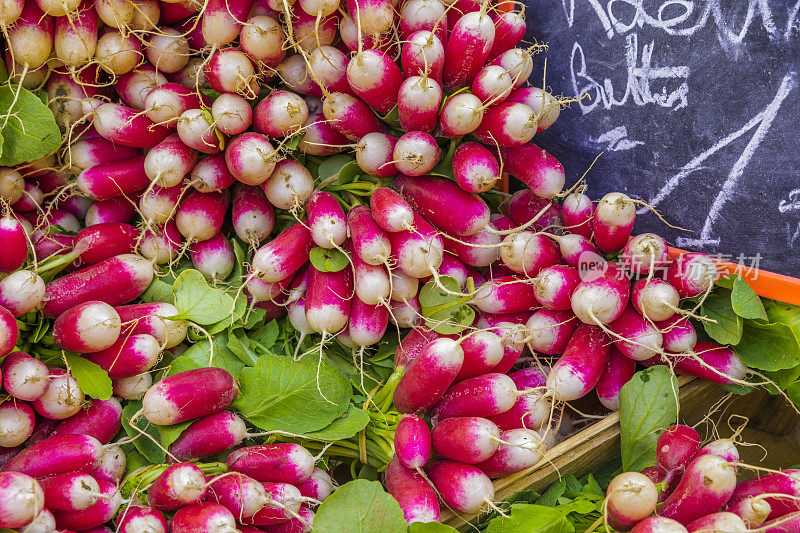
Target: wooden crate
pixel 772 423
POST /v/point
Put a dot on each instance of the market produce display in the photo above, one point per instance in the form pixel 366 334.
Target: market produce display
pixel 258 273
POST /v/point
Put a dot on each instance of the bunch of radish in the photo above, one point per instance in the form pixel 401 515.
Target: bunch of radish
pixel 693 487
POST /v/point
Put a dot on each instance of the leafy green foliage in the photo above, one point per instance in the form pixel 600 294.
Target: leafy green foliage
pixel 344 427
pixel 728 326
pixel 745 301
pixel 202 304
pixel 444 312
pixel 92 380
pixel 147 437
pixel 648 404
pixel 29 130
pixel 328 260
pixel 768 346
pixel 361 506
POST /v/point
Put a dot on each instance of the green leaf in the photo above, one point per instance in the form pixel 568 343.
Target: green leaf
pixel 360 506
pixel 293 396
pixel 92 380
pixel 785 314
pixel 31 132
pixel 768 346
pixel 392 117
pixel 728 326
pixel 328 260
pixel 348 173
pixel 293 141
pixel 445 313
pixel 793 392
pixel 746 302
pixel 146 443
pixel 648 404
pixel 553 493
pixel 221 357
pixel 202 304
pixel 159 291
pixel 332 165
pixel 346 426
pixel 181 364
pixel 267 334
pixel 170 434
pixel 525 518
pixel 430 527
pixel 241 348
pixel 211 93
pixel 445 166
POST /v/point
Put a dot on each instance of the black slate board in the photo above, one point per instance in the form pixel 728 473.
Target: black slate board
pixel 697 112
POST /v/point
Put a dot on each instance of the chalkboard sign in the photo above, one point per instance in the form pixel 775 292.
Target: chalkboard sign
pixel 695 105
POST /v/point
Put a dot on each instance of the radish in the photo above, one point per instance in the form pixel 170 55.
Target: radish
pixel 719 522
pixel 657 524
pixel 12 185
pixel 419 251
pixel 418 103
pixel 784 482
pixel 159 204
pixel 205 516
pixel 372 16
pixel 17 420
pixel 12 10
pixel 493 84
pixel 464 488
pixel 24 377
pixel 167 50
pixel 328 68
pixel 655 299
pixel 200 215
pixel 326 220
pixel 425 195
pixel 509 124
pixel 526 208
pixel 480 396
pixel 30 38
pixel 110 180
pixel 111 464
pixel 707 485
pixel 167 102
pixel 418 15
pixel 618 371
pixel 465 439
pixel 101 420
pixel 483 350
pixel 21 499
pixel 527 253
pixel 281 113
pixel 577 211
pixel 214 258
pixel 328 300
pixel 468 47
pixel 753 511
pixel 423 53
pixel 374 77
pixel 102 241
pixel 321 139
pixel 403 287
pixel 506 294
pixel 536 168
pixel 635 336
pixel 417 499
pixel 232 114
pixel 725 448
pixel 708 360
pixel 289 185
pixel 129 356
pixel 137 518
pixel 429 375
pixel 124 125
pixel 167 163
pixel 391 212
pixel 530 410
pixel 73 491
pixel 374 153
pixel 370 242
pixel 416 153
pixel 9 331
pixel 602 299
pixel 478 250
pixel 579 368
pixel 56 455
pixel 43 523
pixel 302 524
pixel 319 486
pixel 119 54
pixel 644 254
pixel 412 442
pixel 89 327
pixel 293 71
pixel 134 387
pixel 179 485
pixel 547 107
pixel 251 158
pixel 406 313
pixel 209 435
pixel 284 501
pixel 162 245
pixel 509 31
pixel 63 397
pixel 613 221
pixel 350 116
pixel 135 86
pixel 284 255
pixel 115 13
pixel 31 200
pixel 367 323
pixel 555 285
pixel 222 20
pixel 108 502
pixel 176 399
pixel 14 243
pixel 519 449
pixel 251 214
pixel 630 498
pixel 692 274
pixel 412 344
pixel 262 39
pixel 280 462
pixel 679 334
pixel 118 209
pixel 196 131
pixel 75 39
pixel 475 169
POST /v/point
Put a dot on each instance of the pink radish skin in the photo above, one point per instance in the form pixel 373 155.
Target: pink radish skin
pixel 412 442
pixel 390 210
pixel 280 113
pixel 530 411
pixel 482 396
pixel 118 209
pixel 56 455
pixel 723 521
pixel 489 320
pixel 367 323
pixel 465 439
pixel 110 180
pixel 206 516
pixel 475 168
pixel 579 368
pixel 31 200
pixel 707 485
pixel 75 38
pixel 577 212
pixel 251 158
pixel 86 153
pixel 319 486
pixel 162 245
pixel 179 485
pixel 222 20
pixel 724 448
pixel 509 125
pixel 525 206
pixel 555 285
pixel 630 498
pixel 717 363
pixel 692 274
pixel 403 287
pixel 326 220
pixel 129 356
pixel 14 243
pixel 406 313
pixel 328 299
pixel 419 251
pixel 613 221
pixel 289 185
pixel 520 449
pixel 176 398
pixel 22 499
pixel 167 102
pixel 753 511
pixel 200 215
pixel 374 154
pixel 63 397
pixel 111 464
pixel 618 371
pixel 252 215
pixel 547 107
pixel 528 253
pixel 423 53
pixel 644 253
pixel 643 340
pixel 126 126
pixel 418 103
pixel 102 241
pixel 24 377
pixel 12 185
pixel 416 153
pixel 30 38
pixel 17 420
pixel 536 168
pixel 281 462
pixel 655 299
pixel 483 350
pixel 138 518
pixel 73 491
pixel 133 388
pixel 416 497
pixel 101 420
pixel 350 116
pixel 602 299
pixel 461 115
pixel 294 525
pixel 134 86
pixel 370 242
pixel 167 163
pixel 167 50
pixel 493 84
pixel 468 47
pixel 214 258
pixel 88 327
pixel 195 131
pixel 211 174
pixel 679 334
pixel 509 31
pixel 657 524
pixel 469 215
pixel 284 255
pixel 329 66
pixel 209 436
pixel 375 78
pixel 9 331
pixel 478 250
pixel 451 267
pixel 430 374
pixel 786 482
pixel 230 70
pixel 375 16
pixel 321 139
pixel 293 71
pixel 506 294
pixel 464 488
pixel 262 40
pixel 241 495
pixel 412 344
pixel 572 248
pixel 285 499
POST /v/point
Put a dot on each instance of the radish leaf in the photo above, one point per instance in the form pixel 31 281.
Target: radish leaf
pixel 147 443
pixel 430 527
pixel 92 380
pixel 745 301
pixel 328 260
pixel 30 132
pixel 727 328
pixel 526 518
pixel 202 304
pixel 361 506
pixel 768 346
pixel 220 357
pixel 346 426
